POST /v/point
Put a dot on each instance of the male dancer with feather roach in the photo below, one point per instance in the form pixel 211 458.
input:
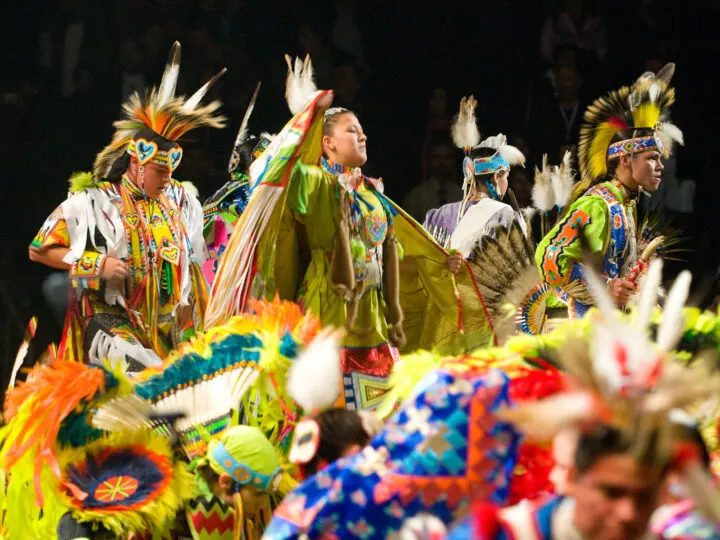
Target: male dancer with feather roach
pixel 131 236
pixel 623 140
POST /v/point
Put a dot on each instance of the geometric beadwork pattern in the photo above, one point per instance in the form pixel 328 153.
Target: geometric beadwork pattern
pixel 443 448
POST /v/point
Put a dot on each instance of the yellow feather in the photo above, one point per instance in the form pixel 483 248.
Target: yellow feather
pixel 646 115
pixel 604 133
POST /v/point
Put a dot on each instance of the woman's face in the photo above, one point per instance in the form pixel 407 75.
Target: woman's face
pixel 346 143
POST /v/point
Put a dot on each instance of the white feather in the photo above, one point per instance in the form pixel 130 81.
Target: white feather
pixel 126 413
pixel 648 294
pixel 191 188
pixel 562 181
pixel 307 84
pixel 665 75
pixel 599 291
pixel 168 83
pixel 545 418
pixel 610 336
pixel 464 130
pixel 512 155
pixel 19 357
pixel 299 85
pixel 542 192
pixel 195 99
pixel 496 141
pixel 654 92
pixel 243 130
pixel 672 132
pixel 671 325
pixel 314 378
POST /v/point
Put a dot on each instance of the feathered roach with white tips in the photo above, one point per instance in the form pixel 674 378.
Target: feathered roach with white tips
pixel 162 112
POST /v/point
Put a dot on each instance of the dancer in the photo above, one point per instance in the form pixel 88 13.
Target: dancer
pixel 131 236
pixel 622 143
pixel 222 209
pixel 627 441
pixel 486 166
pixel 320 232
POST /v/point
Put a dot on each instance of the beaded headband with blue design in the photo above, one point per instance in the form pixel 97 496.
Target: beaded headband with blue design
pixel 634 146
pixel 148 151
pixel 244 475
pixel 485 165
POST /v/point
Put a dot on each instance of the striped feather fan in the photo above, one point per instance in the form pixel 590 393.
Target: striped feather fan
pixel 503 264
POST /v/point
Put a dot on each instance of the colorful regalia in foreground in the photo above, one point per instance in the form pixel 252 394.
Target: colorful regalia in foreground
pixel 620 398
pixel 131 236
pixel 85 449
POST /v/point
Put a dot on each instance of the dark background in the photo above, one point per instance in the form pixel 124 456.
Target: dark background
pixel 386 60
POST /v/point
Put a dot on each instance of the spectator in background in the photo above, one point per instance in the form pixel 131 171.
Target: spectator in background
pixel 347 37
pixel 554 126
pixel 519 182
pixel 442 185
pixel 73 34
pixel 154 46
pixel 576 25
pixel 132 78
pixel 311 40
pixel 563 56
pixel 347 85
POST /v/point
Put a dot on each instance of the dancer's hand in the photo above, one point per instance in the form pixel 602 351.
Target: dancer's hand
pixel 326 100
pixel 397 335
pixel 454 262
pixel 114 269
pixel 621 290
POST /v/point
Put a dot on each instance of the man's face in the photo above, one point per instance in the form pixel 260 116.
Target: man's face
pixel 156 178
pixel 647 170
pixel 614 499
pixel 563 453
pixel 441 163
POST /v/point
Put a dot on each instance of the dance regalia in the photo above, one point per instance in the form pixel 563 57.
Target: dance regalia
pixel 158 239
pixel 604 215
pixel 162 300
pixel 459 225
pixel 290 238
pixel 64 475
pixel 546 521
pixel 222 210
pixel 682 522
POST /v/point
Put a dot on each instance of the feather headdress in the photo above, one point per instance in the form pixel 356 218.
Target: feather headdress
pixel 161 113
pixel 642 110
pixel 242 135
pixel 620 378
